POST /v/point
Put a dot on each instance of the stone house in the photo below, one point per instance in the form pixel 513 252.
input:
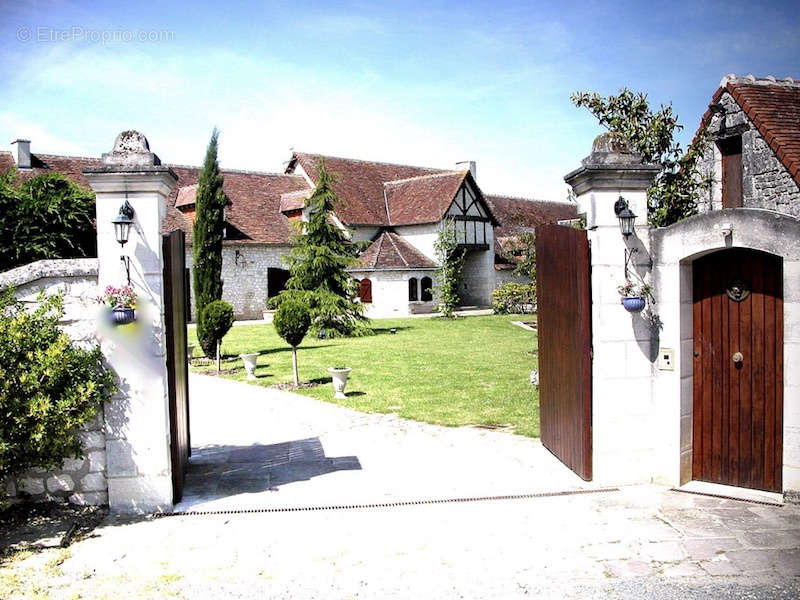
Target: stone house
pixel 398 208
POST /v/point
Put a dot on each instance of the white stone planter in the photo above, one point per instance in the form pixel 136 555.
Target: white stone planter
pixel 339 381
pixel 190 351
pixel 268 315
pixel 250 361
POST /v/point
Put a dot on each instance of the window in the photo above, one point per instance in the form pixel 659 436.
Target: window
pixel 413 294
pixel 427 284
pixel 731 150
pixel 365 290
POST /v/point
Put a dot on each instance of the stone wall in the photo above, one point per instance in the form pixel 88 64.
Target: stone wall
pixel 244 276
pixel 765 181
pixel 79 480
pixel 390 293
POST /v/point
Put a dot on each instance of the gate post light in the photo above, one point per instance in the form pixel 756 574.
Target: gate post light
pixel 122 228
pixel 625 215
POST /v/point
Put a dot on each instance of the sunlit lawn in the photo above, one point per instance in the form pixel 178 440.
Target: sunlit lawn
pixel 470 371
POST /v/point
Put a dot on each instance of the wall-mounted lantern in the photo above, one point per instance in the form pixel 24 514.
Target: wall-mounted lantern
pixel 122 228
pixel 625 215
pixel 626 226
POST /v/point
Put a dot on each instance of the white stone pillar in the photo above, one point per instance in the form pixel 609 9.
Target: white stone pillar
pixel 137 418
pixel 623 343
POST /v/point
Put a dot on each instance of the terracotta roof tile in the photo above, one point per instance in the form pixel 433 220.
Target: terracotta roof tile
pixel 773 106
pixel 390 251
pixel 521 214
pixel 186 196
pixel 359 184
pixel 295 200
pixel 423 199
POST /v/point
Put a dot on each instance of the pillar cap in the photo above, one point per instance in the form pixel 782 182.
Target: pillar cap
pixel 612 164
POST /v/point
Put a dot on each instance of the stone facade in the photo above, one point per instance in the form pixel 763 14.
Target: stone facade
pixel 765 181
pixel 244 276
pixel 79 480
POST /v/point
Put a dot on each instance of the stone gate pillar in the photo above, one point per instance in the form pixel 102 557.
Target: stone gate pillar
pixel 137 418
pixel 623 343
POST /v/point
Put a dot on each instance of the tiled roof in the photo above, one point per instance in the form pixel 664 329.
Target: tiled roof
pixel 6 161
pixel 186 196
pixel 294 200
pixel 423 199
pixel 773 106
pixel 390 251
pixel 253 213
pixel 359 185
pixel 522 214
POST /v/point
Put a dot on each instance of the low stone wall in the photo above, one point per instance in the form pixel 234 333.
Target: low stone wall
pixel 80 480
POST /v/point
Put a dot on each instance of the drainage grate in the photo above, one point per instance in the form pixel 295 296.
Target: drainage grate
pixel 185 513
pixel 724 497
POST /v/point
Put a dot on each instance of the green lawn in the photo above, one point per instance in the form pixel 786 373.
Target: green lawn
pixel 470 371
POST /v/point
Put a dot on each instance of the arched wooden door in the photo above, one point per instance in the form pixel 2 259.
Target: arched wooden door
pixel 738 369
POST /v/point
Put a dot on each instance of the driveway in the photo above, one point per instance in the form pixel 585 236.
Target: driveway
pixel 255 448
pixel 259 449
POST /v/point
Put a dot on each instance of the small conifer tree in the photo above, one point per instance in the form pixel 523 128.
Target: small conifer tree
pixel 318 265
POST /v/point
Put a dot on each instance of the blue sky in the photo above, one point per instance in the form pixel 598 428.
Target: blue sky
pixel 430 83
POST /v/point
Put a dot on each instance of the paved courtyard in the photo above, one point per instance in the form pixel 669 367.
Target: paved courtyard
pixel 259 449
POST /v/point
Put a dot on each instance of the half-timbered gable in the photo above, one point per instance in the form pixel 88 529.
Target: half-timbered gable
pixel 472 217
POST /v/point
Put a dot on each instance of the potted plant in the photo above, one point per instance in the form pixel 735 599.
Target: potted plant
pixel 339 380
pixel 121 301
pixel 634 296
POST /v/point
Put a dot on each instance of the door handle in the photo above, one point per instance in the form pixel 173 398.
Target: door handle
pixel 737 358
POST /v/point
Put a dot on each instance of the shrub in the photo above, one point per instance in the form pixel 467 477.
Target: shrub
pixel 514 298
pixel 292 321
pixel 217 321
pixel 48 387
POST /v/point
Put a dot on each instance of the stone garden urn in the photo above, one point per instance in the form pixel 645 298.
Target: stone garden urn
pixel 339 375
pixel 250 361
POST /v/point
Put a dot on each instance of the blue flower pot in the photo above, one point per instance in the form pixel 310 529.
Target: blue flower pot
pixel 122 316
pixel 634 304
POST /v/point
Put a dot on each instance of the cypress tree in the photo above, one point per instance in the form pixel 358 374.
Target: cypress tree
pixel 318 263
pixel 207 240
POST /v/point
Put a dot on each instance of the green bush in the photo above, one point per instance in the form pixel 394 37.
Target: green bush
pixel 217 321
pixel 514 298
pixel 48 387
pixel 292 321
pixel 47 217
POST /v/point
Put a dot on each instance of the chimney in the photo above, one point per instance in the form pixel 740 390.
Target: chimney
pixel 23 153
pixel 468 164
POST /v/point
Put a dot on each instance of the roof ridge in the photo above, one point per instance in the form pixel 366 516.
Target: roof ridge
pixel 66 156
pixel 372 162
pixel 442 174
pixel 237 171
pixel 751 79
pixel 396 249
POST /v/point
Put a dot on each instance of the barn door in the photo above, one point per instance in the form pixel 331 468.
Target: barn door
pixel 565 336
pixel 175 302
pixel 738 369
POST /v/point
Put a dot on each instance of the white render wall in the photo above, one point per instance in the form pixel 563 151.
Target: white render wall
pixel 390 293
pixel 422 237
pixel 78 480
pixel 244 276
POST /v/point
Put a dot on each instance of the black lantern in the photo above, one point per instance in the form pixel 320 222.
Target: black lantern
pixel 122 224
pixel 625 216
pixel 122 228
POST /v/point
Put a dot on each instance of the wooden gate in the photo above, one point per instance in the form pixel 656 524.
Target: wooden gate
pixel 565 337
pixel 738 369
pixel 175 302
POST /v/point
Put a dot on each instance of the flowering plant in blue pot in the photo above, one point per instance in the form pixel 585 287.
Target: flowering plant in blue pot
pixel 634 296
pixel 121 301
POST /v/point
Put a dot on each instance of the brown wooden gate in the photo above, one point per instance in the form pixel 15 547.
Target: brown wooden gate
pixel 565 337
pixel 738 369
pixel 175 295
